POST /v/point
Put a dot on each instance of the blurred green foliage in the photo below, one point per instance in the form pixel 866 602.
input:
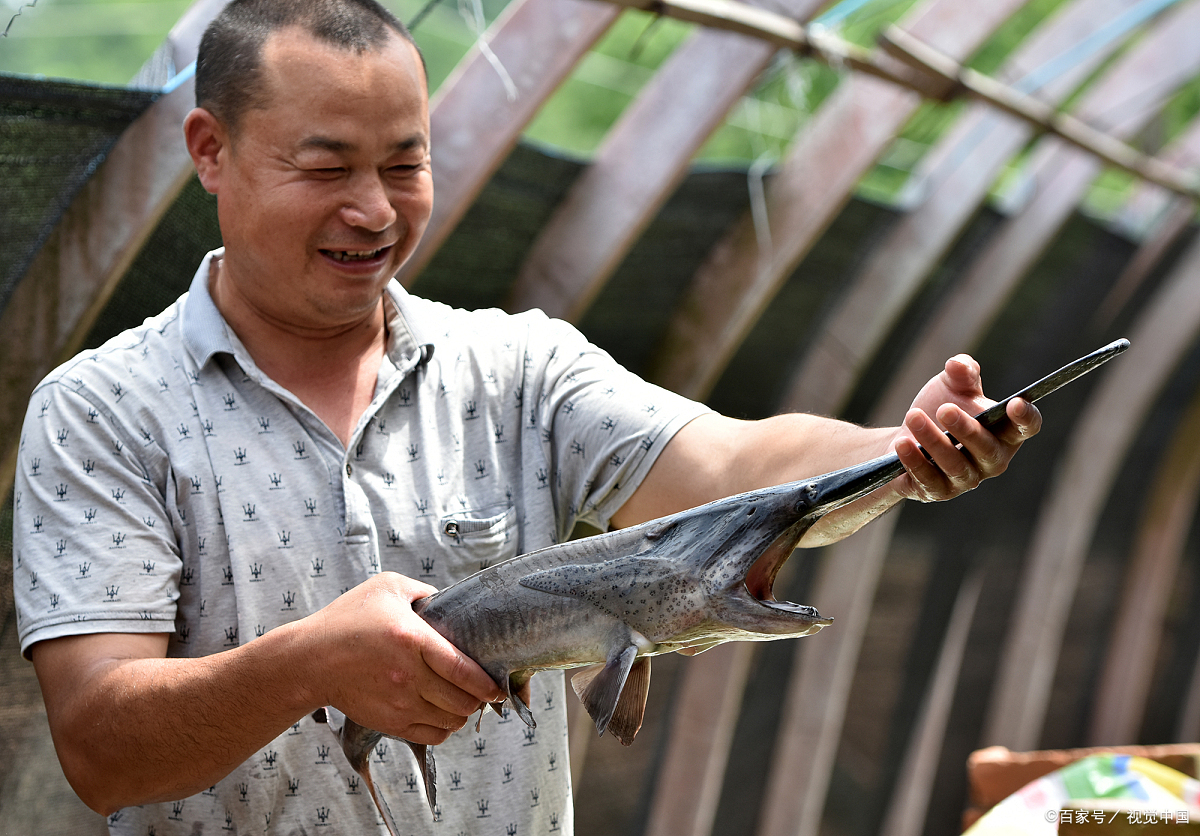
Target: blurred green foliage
pixel 89 40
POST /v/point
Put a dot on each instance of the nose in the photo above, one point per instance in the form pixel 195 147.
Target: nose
pixel 369 206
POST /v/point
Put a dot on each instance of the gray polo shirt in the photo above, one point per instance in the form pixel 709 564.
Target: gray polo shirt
pixel 165 484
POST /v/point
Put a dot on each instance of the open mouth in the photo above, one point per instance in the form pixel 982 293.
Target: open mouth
pixel 351 256
pixel 760 580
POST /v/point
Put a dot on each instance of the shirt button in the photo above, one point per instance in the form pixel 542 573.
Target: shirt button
pixel 349 469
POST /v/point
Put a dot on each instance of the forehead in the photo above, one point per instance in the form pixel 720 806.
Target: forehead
pixel 305 79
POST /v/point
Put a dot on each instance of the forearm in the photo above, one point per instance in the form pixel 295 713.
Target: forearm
pixel 715 456
pixel 786 448
pixel 140 730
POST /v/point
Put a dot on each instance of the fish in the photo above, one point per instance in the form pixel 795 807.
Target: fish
pixel 608 604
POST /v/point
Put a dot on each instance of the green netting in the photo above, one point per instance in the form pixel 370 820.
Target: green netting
pixel 53 134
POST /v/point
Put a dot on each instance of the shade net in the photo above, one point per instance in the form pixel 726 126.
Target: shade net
pixel 53 135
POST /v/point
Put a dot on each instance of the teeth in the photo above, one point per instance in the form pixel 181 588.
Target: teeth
pixel 358 255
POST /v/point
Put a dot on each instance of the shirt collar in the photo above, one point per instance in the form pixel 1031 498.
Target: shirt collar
pixel 410 341
pixel 205 332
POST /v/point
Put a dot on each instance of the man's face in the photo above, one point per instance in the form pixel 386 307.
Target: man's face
pixel 323 194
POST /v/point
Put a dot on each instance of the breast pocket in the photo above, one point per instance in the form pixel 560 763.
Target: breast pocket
pixel 480 537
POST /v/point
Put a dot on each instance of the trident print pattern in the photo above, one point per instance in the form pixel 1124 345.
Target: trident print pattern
pixel 166 485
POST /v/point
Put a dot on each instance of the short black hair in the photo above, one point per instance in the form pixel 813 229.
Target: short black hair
pixel 229 63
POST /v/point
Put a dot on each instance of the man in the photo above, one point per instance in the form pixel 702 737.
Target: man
pixel 224 515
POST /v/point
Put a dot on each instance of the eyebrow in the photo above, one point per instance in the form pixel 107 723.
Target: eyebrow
pixel 324 143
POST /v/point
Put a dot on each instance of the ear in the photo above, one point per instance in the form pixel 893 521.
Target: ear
pixel 206 138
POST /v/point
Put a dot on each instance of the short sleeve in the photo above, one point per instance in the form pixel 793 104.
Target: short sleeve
pixel 93 542
pixel 603 426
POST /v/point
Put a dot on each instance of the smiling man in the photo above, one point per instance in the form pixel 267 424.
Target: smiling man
pixel 224 515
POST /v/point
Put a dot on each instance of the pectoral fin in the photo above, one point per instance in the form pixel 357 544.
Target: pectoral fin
pixel 380 803
pixel 614 694
pixel 358 742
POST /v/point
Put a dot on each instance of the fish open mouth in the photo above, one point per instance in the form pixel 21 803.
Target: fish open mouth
pixel 760 579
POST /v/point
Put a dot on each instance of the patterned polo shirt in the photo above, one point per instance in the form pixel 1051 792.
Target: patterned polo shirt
pixel 166 485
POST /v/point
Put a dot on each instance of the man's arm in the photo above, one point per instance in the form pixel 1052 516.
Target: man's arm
pixel 714 456
pixel 132 726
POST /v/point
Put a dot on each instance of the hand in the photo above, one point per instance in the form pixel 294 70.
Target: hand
pixel 388 670
pixel 954 397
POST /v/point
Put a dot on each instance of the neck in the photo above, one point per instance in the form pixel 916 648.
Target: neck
pixel 332 370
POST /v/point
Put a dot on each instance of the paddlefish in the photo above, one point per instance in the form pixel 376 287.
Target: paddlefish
pixel 609 603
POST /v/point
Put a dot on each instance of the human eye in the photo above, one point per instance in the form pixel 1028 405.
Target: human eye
pixel 407 163
pixel 405 168
pixel 319 164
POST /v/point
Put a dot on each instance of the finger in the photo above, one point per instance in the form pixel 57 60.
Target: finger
pixel 925 481
pixel 429 735
pixel 1024 421
pixel 447 703
pixel 963 376
pixel 466 683
pixel 931 434
pixel 413 589
pixel 953 470
pixel 401 716
pixel 928 482
pixel 987 453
